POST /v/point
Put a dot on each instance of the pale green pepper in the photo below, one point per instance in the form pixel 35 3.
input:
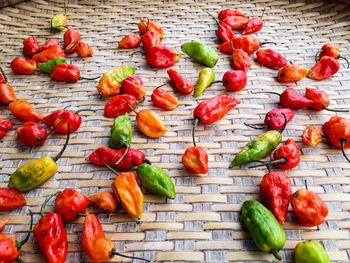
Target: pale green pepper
pixel 201 53
pixel 311 252
pixel 205 79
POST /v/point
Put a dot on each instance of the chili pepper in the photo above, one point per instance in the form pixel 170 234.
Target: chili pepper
pixel 95 244
pixel 4 127
pixel 309 208
pixel 162 56
pixel 252 26
pixel 110 82
pixel 205 79
pixel 49 43
pixel 234 22
pixel 270 58
pixel 326 67
pixel 249 44
pixel 150 39
pixel 24 111
pixel 59 22
pixel 274 119
pixel 23 66
pixel 2 224
pixel 312 135
pixel 240 59
pixel 163 99
pixel 65 72
pixel 70 202
pixel 49 65
pixel 133 85
pixel 201 53
pixel 10 199
pixel 36 172
pixel 128 192
pixel 224 32
pixel 330 50
pixel 130 41
pixel 320 100
pixel 30 46
pixel 109 156
pixel 149 123
pixel 229 12
pixel 181 83
pixel 7 93
pixel 213 109
pixel 116 106
pixel 70 37
pixel 51 235
pixel 311 252
pixel 233 80
pixel 83 50
pixel 105 200
pixel 337 130
pixel 259 147
pixel 31 134
pixel 291 73
pixel 121 132
pixel 150 26
pixel 2 79
pixel 49 54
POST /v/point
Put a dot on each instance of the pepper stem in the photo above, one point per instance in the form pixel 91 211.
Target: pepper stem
pixel 263 13
pixel 285 123
pixel 110 168
pixel 345 60
pixel 19 260
pixel 255 126
pixel 267 42
pixel 160 86
pixel 232 45
pixel 80 77
pixel 263 163
pixel 281 160
pixel 39 138
pixel 65 9
pixel 137 51
pixel 58 156
pixel 19 244
pixel 130 107
pixel 216 20
pixel 75 43
pixel 218 81
pixel 42 210
pixel 113 252
pixel 269 92
pixel 145 160
pixel 77 112
pixel 326 108
pixel 195 123
pixel 124 154
pixel 316 55
pixel 342 143
pixel 146 26
pixel 275 254
pixel 4 75
pixel 141 100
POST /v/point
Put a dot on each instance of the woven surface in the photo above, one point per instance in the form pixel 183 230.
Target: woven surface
pixel 203 223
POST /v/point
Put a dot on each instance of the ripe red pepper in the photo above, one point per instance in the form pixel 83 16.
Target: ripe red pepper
pixel 240 59
pixel 234 22
pixel 270 58
pixel 130 41
pixel 181 83
pixel 51 235
pixel 24 111
pixel 116 106
pixel 233 80
pixel 49 54
pixel 291 73
pixel 133 86
pixel 4 127
pixel 312 136
pixel 224 32
pixel 30 46
pixel 2 224
pixel 252 26
pixel 330 50
pixel 320 99
pixel 150 26
pixel 83 50
pixel 23 66
pixel 249 44
pixel 326 67
pixel 31 134
pixel 71 37
pixel 65 72
pixel 162 56
pixel 7 93
pixel 11 199
pixel 276 191
pixel 70 202
pixel 163 99
pixel 150 39
pixel 2 79
pixel 58 121
pixel 275 120
pixel 309 208
pixel 229 12
pixel 105 200
pixel 49 43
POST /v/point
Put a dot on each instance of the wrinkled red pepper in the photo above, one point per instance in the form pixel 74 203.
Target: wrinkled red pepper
pixel 11 199
pixel 84 50
pixel 4 127
pixel 253 25
pixel 229 12
pixel 275 120
pixel 224 32
pixel 270 58
pixel 65 72
pixel 326 67
pixel 49 43
pixel 320 99
pixel 163 99
pixel 233 80
pixel 234 22
pixel 181 83
pixel 49 54
pixel 23 66
pixel 116 106
pixel 162 56
pixel 240 59
pixel 133 86
pixel 70 202
pixel 150 39
pixel 31 134
pixel 312 136
pixel 130 41
pixel 331 50
pixel 30 46
pixel 149 25
pixel 249 44
pixel 195 159
pixel 71 37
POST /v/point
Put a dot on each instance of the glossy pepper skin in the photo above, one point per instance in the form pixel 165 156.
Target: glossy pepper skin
pixel 248 44
pixel 49 65
pixel 149 25
pixel 312 135
pixel 311 252
pixel 7 93
pixel 234 80
pixel 309 208
pixel 205 78
pixel 105 200
pixel 150 39
pixel 116 106
pixel 162 56
pixel 274 118
pixel 10 199
pixel 70 37
pixel 326 67
pixel 130 41
pixel 181 83
pixel 133 85
pixel 59 21
pixel 4 127
pixel 201 53
pixel 195 159
pixel 84 50
pixel 288 155
pixel 271 58
pixel 70 202
pixel 65 72
pixel 234 22
pixel 241 60
pixel 150 124
pixel 291 73
pixel 49 43
pixel 24 111
pixel 2 79
pixel 49 54
pixel 59 120
pixel 330 50
pixel 320 99
pixel 229 12
pixel 23 66
pixel 31 134
pixel 253 25
pixel 121 132
pixel 224 32
pixel 51 235
pixel 30 46
pixel 163 99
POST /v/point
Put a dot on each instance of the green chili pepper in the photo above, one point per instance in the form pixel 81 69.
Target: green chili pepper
pixel 36 172
pixel 311 252
pixel 48 66
pixel 59 22
pixel 121 132
pixel 205 79
pixel 155 180
pixel 201 53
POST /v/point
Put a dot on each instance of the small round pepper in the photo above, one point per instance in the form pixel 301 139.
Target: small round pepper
pixel 70 202
pixel 31 134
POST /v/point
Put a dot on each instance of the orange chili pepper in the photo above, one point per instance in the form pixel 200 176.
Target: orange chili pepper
pixel 3 223
pixel 83 50
pixel 23 66
pixel 49 54
pixel 105 200
pixel 164 99
pixel 291 73
pixel 150 26
pixel 312 136
pixel 7 93
pixel 24 111
pixel 130 41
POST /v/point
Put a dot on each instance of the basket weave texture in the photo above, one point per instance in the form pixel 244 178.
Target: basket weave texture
pixel 202 224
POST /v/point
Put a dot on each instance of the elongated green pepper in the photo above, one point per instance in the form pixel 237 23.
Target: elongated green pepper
pixel 205 79
pixel 121 132
pixel 201 53
pixel 311 252
pixel 48 66
pixel 36 172
pixel 155 180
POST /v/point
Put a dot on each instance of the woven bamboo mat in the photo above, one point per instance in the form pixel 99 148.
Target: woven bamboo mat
pixel 203 223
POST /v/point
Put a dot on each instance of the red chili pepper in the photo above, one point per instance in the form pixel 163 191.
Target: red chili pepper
pixel 49 43
pixel 51 235
pixel 130 41
pixel 65 72
pixel 150 26
pixel 312 136
pixel 24 111
pixel 249 44
pixel 3 223
pixel 252 26
pixel 326 67
pixel 150 39
pixel 309 208
pixel 70 202
pixel 49 54
pixel 58 121
pixel 116 106
pixel 10 199
pixel 133 86
pixel 240 59
pixel 233 80
pixel 71 36
pixel 23 66
pixel 163 99
pixel 270 58
pixel 2 79
pixel 224 32
pixel 30 46
pixel 195 159
pixel 83 50
pixel 291 73
pixel 7 93
pixel 229 12
pixel 31 134
pixel 234 22
pixel 109 156
pixel 330 50
pixel 181 83
pixel 162 56
pixel 320 99
pixel 4 127
pixel 105 200
pixel 275 120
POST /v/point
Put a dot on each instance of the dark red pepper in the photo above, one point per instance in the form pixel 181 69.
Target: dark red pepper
pixel 229 12
pixel 2 79
pixel 30 46
pixel 130 41
pixel 320 99
pixel 31 134
pixel 181 83
pixel 326 67
pixel 163 99
pixel 71 37
pixel 270 58
pixel 162 56
pixel 224 32
pixel 49 54
pixel 133 86
pixel 252 26
pixel 116 106
pixel 70 202
pixel 4 127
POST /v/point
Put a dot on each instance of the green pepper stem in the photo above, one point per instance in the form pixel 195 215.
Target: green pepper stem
pixel 281 160
pixel 42 210
pixel 4 75
pixel 80 77
pixel 216 20
pixel 342 143
pixel 114 252
pixel 130 107
pixel 58 156
pixel 75 43
pixel 39 138
pixel 344 59
pixel 137 51
pixel 269 92
pixel 317 53
pixel 195 123
pixel 19 244
pixel 77 112
pixel 124 154
pixel 255 126
pixel 110 168
pixel 19 260
pixel 160 86
pixel 65 9
pixel 263 163
pixel 285 123
pixel 275 254
pixel 262 15
pixel 232 45
pixel 326 108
